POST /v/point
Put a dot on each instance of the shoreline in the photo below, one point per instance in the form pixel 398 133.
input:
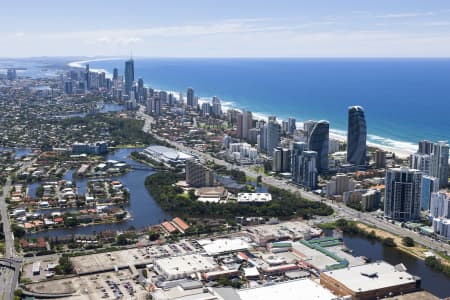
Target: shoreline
pixel 227 104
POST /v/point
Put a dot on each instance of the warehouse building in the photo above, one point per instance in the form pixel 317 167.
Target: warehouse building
pixel 370 281
pixel 178 267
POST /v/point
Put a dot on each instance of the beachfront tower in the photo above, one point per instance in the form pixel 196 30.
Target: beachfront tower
pixel 297 149
pixel 402 194
pixel 356 136
pixel 439 163
pixel 318 141
pixel 129 75
pixel 191 100
pixel 291 126
pixel 273 136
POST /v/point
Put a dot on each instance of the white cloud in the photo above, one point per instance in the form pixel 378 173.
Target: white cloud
pixel 407 15
pixel 232 38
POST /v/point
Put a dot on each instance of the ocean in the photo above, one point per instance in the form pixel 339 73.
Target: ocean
pixel 405 100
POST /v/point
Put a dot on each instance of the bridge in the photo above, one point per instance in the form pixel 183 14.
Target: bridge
pixel 11 286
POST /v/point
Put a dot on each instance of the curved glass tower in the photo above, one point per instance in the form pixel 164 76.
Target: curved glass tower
pixel 318 141
pixel 356 136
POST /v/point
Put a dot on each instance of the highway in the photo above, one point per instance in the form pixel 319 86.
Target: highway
pixel 340 209
pixel 9 238
pixel 9 287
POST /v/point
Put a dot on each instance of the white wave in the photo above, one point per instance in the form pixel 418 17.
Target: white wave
pixel 82 64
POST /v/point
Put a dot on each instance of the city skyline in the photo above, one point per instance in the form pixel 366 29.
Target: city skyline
pixel 232 29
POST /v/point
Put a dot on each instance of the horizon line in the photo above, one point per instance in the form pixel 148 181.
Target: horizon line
pixel 223 57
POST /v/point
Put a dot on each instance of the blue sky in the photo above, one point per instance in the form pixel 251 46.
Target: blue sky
pixel 245 28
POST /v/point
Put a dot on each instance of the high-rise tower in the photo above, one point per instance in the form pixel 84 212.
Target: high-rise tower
pixel 318 141
pixel 439 163
pixel 129 75
pixel 356 136
pixel 402 194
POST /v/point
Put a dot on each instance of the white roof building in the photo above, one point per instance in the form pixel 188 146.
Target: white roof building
pixel 369 281
pixel 178 267
pixel 304 289
pixel 254 197
pixel 220 246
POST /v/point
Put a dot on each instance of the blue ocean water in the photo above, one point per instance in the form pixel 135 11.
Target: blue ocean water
pixel 405 100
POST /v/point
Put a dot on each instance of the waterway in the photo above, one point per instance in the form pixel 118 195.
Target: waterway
pixel 432 281
pixel 19 151
pixel 143 208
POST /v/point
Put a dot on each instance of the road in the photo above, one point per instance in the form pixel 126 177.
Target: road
pixel 9 238
pixel 340 209
pixel 7 291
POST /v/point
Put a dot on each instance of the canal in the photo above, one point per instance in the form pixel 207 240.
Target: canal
pixel 143 208
pixel 432 281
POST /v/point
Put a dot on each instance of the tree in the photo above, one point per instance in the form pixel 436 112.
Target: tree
pixel 153 235
pixel 389 242
pixel 122 240
pixel 18 294
pixel 433 262
pixel 65 265
pixel 372 235
pixel 18 231
pixel 408 242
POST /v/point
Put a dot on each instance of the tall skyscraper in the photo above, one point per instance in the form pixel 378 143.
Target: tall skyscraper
pixel 291 125
pixel 319 141
pixel 206 109
pixel 190 97
pixel 356 136
pixel 262 139
pixel 87 76
pixel 140 89
pixel 308 169
pixel 129 75
pixel 402 194
pixel 380 159
pixel 425 147
pixel 429 185
pixel 216 107
pixel 440 205
pixel 163 97
pixel 297 149
pixel 284 127
pixel 273 136
pixel 244 124
pixel 420 161
pixel 115 74
pixel 170 99
pixel 281 160
pixel 307 127
pixel 439 163
pixel 156 106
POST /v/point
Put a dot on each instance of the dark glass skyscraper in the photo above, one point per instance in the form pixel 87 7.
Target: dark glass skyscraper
pixel 115 74
pixel 318 141
pixel 87 75
pixel 129 75
pixel 190 97
pixel 356 136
